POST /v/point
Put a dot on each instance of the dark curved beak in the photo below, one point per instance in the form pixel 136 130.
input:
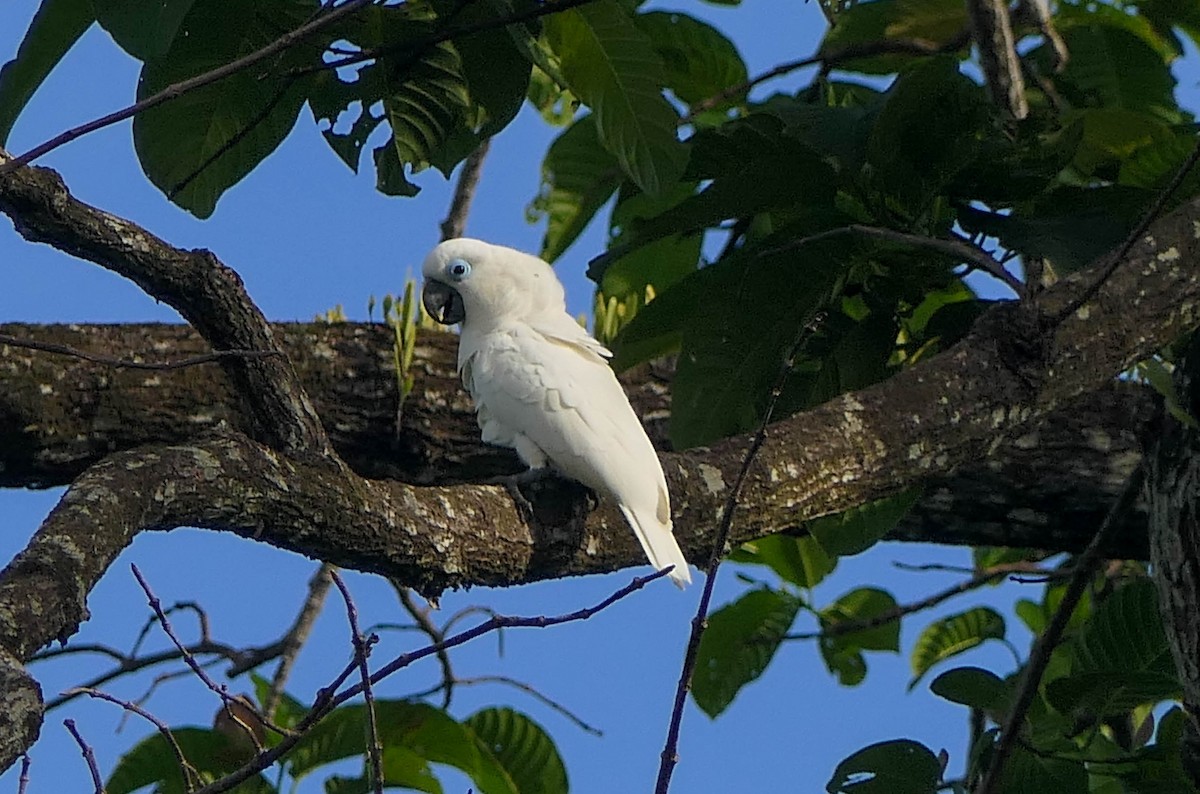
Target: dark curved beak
pixel 443 302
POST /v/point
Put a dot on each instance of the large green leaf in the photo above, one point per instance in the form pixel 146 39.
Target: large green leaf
pixel 953 635
pixel 524 749
pixel 800 561
pixel 738 645
pixel 855 530
pixel 934 21
pixel 422 730
pixel 55 28
pixel 153 762
pixel 1030 773
pixel 426 104
pixel 900 766
pixel 198 145
pixel 974 687
pixel 144 30
pixel 843 652
pixel 578 177
pixel 494 66
pixel 928 130
pixel 401 768
pixel 660 264
pixel 699 60
pixel 612 66
pixel 1112 67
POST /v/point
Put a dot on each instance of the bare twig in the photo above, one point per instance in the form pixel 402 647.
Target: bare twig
pixel 534 693
pixel 991 28
pixel 178 606
pixel 23 780
pixel 830 60
pixel 297 635
pixel 436 635
pixel 188 772
pixel 186 86
pixel 218 689
pixel 700 621
pixel 455 223
pixel 1119 255
pixel 958 248
pixel 984 577
pixel 88 756
pixel 1043 646
pixel 127 363
pixel 329 698
pixel 362 649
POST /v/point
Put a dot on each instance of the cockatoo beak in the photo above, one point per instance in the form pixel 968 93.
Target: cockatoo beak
pixel 443 302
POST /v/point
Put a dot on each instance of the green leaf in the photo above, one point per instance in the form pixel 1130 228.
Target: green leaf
pixel 524 749
pixel 800 561
pixel 348 109
pixel 55 28
pixel 1030 773
pixel 843 653
pixel 612 66
pixel 401 768
pixel 660 264
pixel 1112 67
pixel 1110 693
pixel 288 710
pixel 197 146
pixel 152 762
pixel 144 30
pixel 699 60
pixel 495 68
pixel 935 21
pixel 974 687
pixel 900 766
pixel 928 130
pixel 855 530
pixel 578 177
pixel 738 645
pixel 427 104
pixel 1125 632
pixel 953 635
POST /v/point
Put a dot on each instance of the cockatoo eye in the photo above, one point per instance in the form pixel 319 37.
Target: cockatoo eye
pixel 459 269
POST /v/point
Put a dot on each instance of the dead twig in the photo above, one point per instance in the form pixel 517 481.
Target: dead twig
pixel 1044 644
pixel 297 635
pixel 436 635
pixel 455 224
pixel 88 756
pixel 362 649
pixel 700 621
pixel 188 772
pixel 128 363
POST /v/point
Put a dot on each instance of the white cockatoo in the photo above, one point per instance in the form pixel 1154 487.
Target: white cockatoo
pixel 542 385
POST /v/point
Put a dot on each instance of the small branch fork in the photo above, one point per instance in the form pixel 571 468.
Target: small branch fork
pixel 1043 646
pixel 362 649
pixel 88 756
pixel 700 622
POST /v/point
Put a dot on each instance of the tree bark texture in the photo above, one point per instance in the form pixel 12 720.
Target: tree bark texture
pixel 271 472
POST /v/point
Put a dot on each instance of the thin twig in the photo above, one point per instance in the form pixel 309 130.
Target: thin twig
pixel 362 649
pixel 88 756
pixel 188 772
pixel 219 690
pixel 1118 257
pixel 435 635
pixel 186 86
pixel 297 635
pixel 455 224
pixel 178 606
pixel 126 363
pixel 328 698
pixel 984 577
pixel 23 780
pixel 958 248
pixel 830 60
pixel 1043 646
pixel 534 693
pixel 700 621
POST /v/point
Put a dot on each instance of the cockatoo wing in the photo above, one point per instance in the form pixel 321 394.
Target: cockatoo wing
pixel 552 386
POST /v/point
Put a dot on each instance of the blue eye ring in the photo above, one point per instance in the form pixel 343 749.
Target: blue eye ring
pixel 458 269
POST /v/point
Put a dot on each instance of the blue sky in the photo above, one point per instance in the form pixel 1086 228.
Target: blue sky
pixel 306 234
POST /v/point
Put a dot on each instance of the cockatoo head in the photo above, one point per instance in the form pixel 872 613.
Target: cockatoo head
pixel 478 284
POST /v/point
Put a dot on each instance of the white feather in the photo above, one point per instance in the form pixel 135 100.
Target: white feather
pixel 542 385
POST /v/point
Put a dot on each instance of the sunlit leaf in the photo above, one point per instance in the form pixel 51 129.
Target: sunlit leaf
pixel 800 561
pixel 524 749
pixel 933 21
pixel 699 60
pixel 953 635
pixel 612 66
pixel 738 645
